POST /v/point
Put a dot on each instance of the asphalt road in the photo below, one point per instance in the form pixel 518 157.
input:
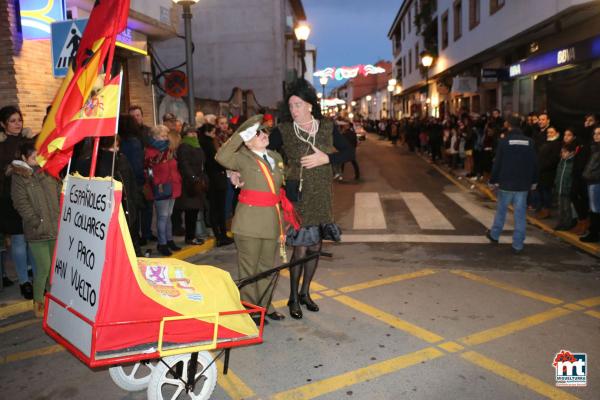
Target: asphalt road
pixel 414 304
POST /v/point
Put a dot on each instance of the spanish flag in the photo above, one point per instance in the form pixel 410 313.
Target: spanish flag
pixel 97 117
pixel 107 19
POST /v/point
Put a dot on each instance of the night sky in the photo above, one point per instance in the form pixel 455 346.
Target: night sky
pixel 350 32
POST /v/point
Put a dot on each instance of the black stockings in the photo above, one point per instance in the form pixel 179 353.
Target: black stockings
pixel 308 268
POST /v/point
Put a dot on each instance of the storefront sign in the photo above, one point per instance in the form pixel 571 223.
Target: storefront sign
pixel 585 50
pixel 464 84
pixel 37 15
pixel 492 75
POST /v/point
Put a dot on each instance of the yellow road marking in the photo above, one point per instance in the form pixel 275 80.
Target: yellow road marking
pixel 387 281
pixel 390 319
pixel 512 327
pixel 232 384
pixel 331 293
pixel 516 376
pixel 592 302
pixel 574 307
pixel 14 308
pixel 18 325
pixel 507 287
pixel 451 347
pixel 190 251
pixel 24 355
pixel 341 381
pixel 593 313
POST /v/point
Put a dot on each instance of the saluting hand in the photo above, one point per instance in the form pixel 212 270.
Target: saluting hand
pixel 316 159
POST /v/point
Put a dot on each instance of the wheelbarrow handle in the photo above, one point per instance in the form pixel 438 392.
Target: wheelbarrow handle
pixel 251 279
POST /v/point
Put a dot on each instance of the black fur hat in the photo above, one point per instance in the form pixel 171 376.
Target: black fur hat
pixel 301 88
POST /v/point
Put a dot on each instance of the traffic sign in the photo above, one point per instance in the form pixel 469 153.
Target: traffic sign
pixel 66 36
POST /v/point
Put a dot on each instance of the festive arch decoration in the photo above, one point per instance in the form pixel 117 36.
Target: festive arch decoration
pixel 342 73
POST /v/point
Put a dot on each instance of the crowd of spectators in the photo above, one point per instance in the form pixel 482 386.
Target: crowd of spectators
pixel 172 186
pixel 568 160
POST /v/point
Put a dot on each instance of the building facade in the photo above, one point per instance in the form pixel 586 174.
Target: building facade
pixel 26 64
pixel 492 53
pixel 245 44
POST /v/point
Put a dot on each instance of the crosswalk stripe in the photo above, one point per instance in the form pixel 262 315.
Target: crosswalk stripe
pixel 426 214
pixel 484 215
pixel 421 238
pixel 368 212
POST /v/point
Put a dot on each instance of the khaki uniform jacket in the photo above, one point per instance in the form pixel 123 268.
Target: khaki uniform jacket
pixel 36 197
pixel 252 221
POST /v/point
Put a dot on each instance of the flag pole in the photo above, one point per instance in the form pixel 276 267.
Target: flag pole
pixel 111 54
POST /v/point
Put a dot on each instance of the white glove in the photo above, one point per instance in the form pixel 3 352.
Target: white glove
pixel 249 133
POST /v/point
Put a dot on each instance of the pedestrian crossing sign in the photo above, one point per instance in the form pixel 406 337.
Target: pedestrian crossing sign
pixel 66 36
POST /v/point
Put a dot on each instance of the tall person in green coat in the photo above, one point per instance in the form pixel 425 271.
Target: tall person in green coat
pixel 257 225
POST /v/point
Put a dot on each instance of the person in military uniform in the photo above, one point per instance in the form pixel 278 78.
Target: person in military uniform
pixel 257 224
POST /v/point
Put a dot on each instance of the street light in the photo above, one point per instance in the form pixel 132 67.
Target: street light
pixel 187 24
pixel 426 61
pixel 391 86
pixel 369 97
pixel 323 81
pixel 302 32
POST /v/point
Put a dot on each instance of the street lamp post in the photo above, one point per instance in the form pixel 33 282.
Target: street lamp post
pixel 426 60
pixel 302 31
pixel 323 81
pixel 391 86
pixel 187 26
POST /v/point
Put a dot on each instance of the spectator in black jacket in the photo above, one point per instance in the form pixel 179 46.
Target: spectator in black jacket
pixel 579 192
pixel 548 156
pixel 591 174
pixel 350 135
pixel 514 173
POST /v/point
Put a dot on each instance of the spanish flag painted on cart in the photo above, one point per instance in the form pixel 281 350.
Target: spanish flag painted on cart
pixel 107 19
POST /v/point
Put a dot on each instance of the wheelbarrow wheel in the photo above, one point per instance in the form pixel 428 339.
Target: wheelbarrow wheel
pixel 133 377
pixel 165 385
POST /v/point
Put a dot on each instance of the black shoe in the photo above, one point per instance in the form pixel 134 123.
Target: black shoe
pixel 194 241
pixel 256 319
pixel 295 310
pixel 27 290
pixel 7 282
pixel 276 316
pixel 309 303
pixel 164 250
pixel 590 238
pixel 488 235
pixel 226 241
pixel 516 252
pixel 172 246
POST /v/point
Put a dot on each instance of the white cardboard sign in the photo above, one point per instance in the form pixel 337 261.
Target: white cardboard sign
pixel 81 244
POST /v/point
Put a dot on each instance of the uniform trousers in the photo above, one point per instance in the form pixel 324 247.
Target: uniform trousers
pixel 255 256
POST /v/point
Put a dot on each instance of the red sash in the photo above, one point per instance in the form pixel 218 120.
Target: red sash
pixel 267 199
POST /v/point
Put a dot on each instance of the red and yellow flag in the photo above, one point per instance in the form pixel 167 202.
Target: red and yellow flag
pixel 108 18
pixel 99 115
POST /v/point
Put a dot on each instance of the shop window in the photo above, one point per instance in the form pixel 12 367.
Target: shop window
pixel 457 19
pixel 474 13
pixel 445 30
pixel 495 5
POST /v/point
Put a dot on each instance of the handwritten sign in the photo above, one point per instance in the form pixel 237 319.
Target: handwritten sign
pixel 82 240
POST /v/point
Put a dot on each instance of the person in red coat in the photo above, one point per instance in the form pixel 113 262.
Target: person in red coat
pixel 164 183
